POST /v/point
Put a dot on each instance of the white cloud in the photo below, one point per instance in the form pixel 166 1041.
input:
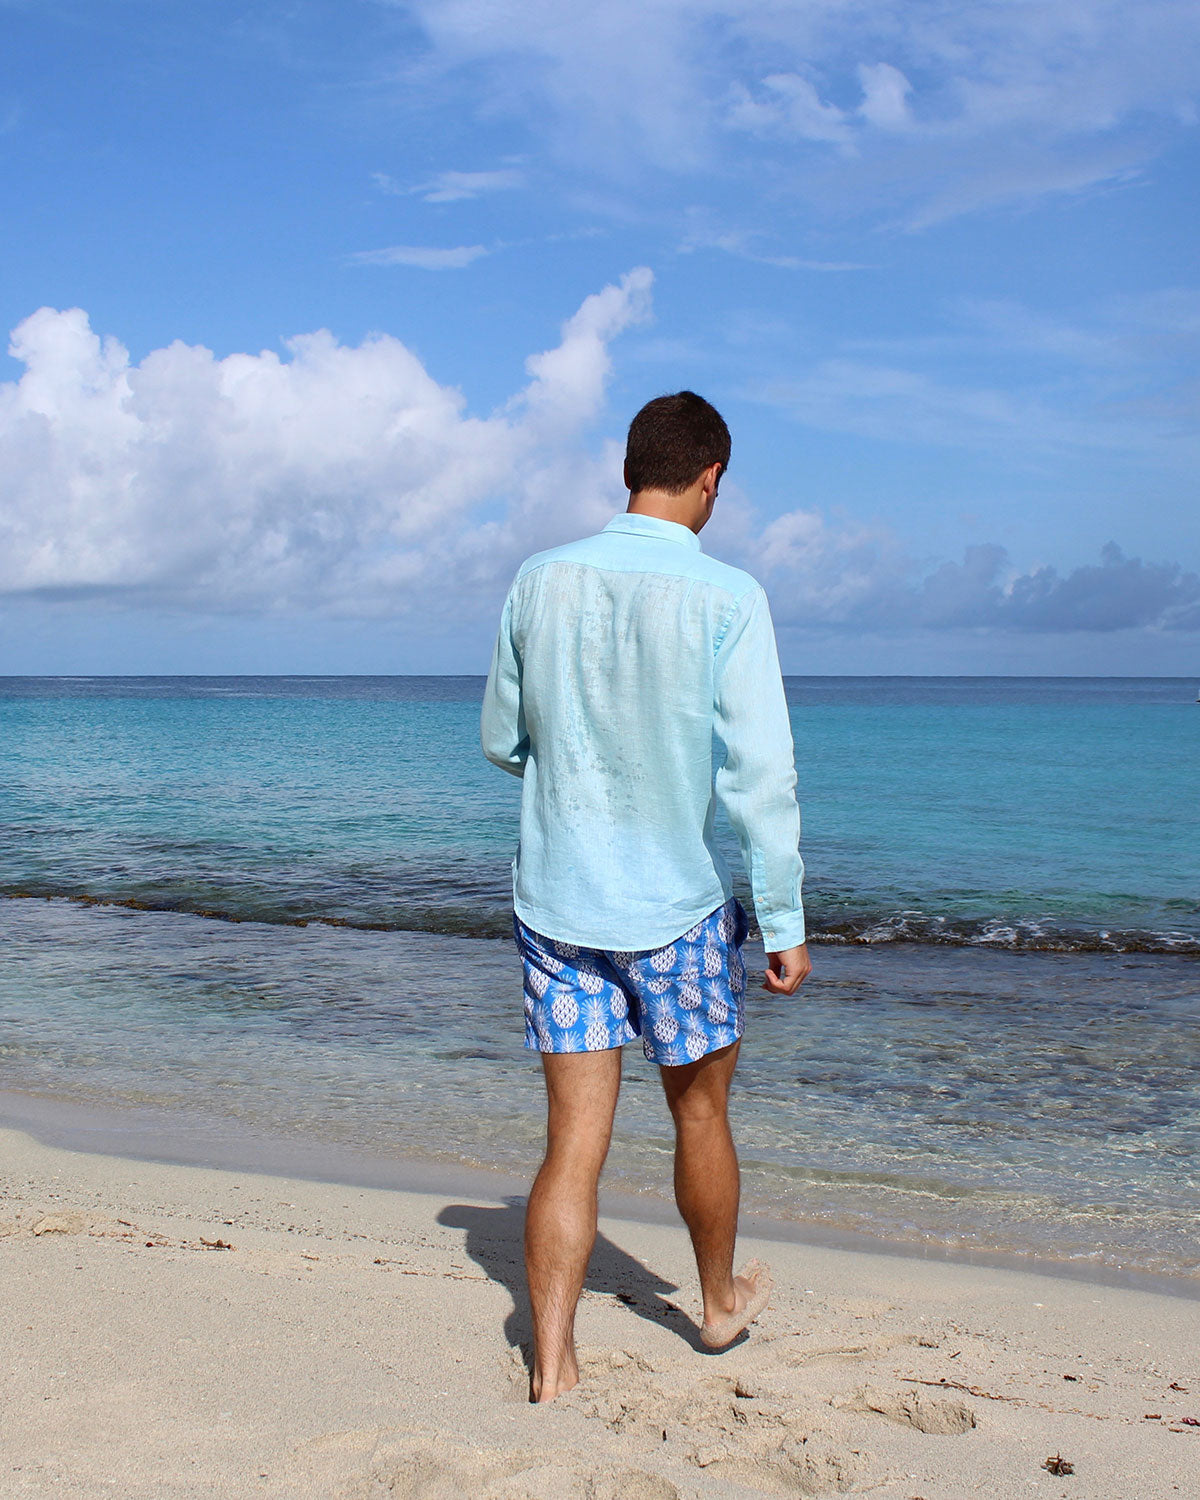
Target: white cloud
pixel 855 578
pixel 347 481
pixel 927 109
pixel 788 105
pixel 455 187
pixel 745 245
pixel 452 187
pixel 1117 377
pixel 885 96
pixel 336 478
pixel 423 257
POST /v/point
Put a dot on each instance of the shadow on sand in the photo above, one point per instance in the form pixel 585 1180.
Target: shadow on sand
pixel 494 1243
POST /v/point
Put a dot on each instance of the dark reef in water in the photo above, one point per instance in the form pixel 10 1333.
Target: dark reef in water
pixel 490 918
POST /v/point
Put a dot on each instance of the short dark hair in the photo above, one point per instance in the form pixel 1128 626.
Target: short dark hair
pixel 672 440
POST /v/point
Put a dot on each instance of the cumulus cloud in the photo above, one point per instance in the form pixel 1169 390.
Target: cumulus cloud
pixel 338 478
pixel 1118 593
pixel 850 577
pixel 347 481
pixel 423 257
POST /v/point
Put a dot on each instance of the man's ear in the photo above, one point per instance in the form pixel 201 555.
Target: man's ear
pixel 625 478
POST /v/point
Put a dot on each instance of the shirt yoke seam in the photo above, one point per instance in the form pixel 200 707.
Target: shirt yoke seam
pixel 530 569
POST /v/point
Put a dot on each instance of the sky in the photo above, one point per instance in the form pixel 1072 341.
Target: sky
pixel 325 313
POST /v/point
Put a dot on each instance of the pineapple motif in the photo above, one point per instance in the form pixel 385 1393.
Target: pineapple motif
pixel 566 950
pixel 725 925
pixel 590 979
pixel 595 1037
pixel 695 1044
pixel 666 1027
pixel 672 1057
pixel 544 1039
pixel 693 933
pixel 663 959
pixel 537 981
pixel 565 1010
pixel 621 958
pixel 618 1004
pixel 737 972
pixel 724 1037
pixel 718 1011
pixel 712 961
pixel 689 996
pixel 554 964
pixel 658 986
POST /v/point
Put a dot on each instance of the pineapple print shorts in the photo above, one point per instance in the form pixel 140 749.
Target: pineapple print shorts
pixel 684 1000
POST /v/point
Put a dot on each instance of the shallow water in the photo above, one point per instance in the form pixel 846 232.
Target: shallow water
pixel 1045 1104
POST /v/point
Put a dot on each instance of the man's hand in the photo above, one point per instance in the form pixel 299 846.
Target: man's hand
pixel 788 970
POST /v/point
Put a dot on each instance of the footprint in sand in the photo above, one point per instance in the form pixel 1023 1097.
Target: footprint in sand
pixel 430 1469
pixel 58 1224
pixel 733 1428
pixel 912 1409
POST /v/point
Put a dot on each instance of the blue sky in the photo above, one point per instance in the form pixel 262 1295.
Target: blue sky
pixel 324 315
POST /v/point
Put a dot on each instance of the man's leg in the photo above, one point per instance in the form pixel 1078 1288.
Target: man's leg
pixel 707 1190
pixel 560 1221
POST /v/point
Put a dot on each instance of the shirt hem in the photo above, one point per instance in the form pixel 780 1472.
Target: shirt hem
pixel 627 939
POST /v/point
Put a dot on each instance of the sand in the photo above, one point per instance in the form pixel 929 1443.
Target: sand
pixel 179 1331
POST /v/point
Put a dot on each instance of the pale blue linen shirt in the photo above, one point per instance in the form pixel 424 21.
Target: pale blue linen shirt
pixel 634 682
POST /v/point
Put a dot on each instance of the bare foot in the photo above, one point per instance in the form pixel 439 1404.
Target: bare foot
pixel 544 1387
pixel 752 1291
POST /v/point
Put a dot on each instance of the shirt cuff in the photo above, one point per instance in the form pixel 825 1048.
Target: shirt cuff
pixel 783 931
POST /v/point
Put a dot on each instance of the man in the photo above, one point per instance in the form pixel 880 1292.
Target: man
pixel 622 661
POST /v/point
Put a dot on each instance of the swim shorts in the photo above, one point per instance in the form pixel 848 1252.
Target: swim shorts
pixel 684 1000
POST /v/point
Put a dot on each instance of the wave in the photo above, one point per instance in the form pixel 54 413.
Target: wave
pixel 484 915
pixel 1014 934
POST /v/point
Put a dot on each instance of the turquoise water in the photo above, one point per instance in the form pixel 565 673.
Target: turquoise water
pixel 998 1047
pixel 1014 812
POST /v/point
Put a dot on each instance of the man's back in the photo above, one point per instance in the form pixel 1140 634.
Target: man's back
pixel 623 662
pixel 619 658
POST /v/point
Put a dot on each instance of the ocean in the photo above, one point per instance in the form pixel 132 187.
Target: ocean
pixel 277 910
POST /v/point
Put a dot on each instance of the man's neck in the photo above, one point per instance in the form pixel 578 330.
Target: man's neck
pixel 688 509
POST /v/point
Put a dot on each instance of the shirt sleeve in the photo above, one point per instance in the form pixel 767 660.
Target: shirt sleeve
pixel 756 784
pixel 502 730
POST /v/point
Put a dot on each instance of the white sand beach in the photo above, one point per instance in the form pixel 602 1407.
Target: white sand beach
pixel 175 1331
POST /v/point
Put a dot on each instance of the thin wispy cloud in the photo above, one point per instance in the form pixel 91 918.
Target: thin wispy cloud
pixel 422 257
pixel 458 187
pixel 452 187
pixel 952 109
pixel 1019 384
pixel 747 246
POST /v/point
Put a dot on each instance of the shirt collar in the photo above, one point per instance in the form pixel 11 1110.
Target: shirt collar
pixel 637 524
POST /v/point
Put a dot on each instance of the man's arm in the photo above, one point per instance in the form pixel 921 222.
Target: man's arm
pixel 502 729
pixel 757 784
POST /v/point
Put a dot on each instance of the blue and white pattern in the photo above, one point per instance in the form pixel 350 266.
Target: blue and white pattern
pixel 684 1000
